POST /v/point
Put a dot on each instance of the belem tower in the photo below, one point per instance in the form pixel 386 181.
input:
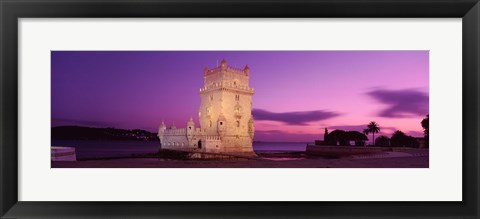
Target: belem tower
pixel 225 115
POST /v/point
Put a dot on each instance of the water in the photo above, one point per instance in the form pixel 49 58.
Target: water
pixel 276 147
pixel 98 149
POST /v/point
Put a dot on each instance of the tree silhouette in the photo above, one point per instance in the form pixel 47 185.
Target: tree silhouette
pixel 343 138
pixel 425 126
pixel 382 141
pixel 358 137
pixel 373 128
pixel 400 139
pixel 366 132
pixel 339 136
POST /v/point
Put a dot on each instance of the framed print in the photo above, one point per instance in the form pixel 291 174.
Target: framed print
pixel 239 109
pixel 236 125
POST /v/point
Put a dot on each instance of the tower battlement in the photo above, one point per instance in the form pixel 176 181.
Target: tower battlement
pixel 228 69
pixel 224 68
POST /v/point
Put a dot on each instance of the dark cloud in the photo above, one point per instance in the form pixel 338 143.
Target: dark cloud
pixel 293 118
pixel 401 103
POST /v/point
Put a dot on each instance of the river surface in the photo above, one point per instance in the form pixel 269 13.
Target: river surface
pixel 99 149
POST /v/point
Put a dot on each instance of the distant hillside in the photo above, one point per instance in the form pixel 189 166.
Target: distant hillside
pixel 87 133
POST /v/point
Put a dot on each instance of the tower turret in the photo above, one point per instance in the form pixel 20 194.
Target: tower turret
pixel 161 131
pixel 190 129
pixel 162 128
pixel 205 71
pixel 223 64
pixel 246 70
pixel 173 126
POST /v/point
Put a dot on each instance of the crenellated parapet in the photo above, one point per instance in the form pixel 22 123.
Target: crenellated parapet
pixel 227 86
pixel 224 68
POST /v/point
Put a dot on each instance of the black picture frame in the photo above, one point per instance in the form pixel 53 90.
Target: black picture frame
pixel 12 10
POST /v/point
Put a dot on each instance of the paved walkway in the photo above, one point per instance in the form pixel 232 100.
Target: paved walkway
pixel 392 154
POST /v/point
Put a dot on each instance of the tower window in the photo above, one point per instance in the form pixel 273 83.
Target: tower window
pixel 238 123
pixel 237 97
pixel 221 123
pixel 210 123
pixel 211 97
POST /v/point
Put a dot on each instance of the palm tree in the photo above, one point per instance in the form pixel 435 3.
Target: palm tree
pixel 373 128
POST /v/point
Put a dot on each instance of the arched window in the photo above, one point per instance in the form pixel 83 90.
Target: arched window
pixel 210 123
pixel 238 123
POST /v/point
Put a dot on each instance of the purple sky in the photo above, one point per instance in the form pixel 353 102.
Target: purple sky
pixel 297 93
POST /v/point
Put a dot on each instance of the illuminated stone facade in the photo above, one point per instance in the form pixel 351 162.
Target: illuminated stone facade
pixel 225 114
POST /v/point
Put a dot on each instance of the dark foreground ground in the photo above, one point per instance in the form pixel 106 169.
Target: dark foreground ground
pixel 279 160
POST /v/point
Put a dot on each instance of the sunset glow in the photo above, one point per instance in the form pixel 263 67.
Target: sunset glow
pixel 297 93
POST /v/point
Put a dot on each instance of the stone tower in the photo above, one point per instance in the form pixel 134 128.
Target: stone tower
pixel 226 107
